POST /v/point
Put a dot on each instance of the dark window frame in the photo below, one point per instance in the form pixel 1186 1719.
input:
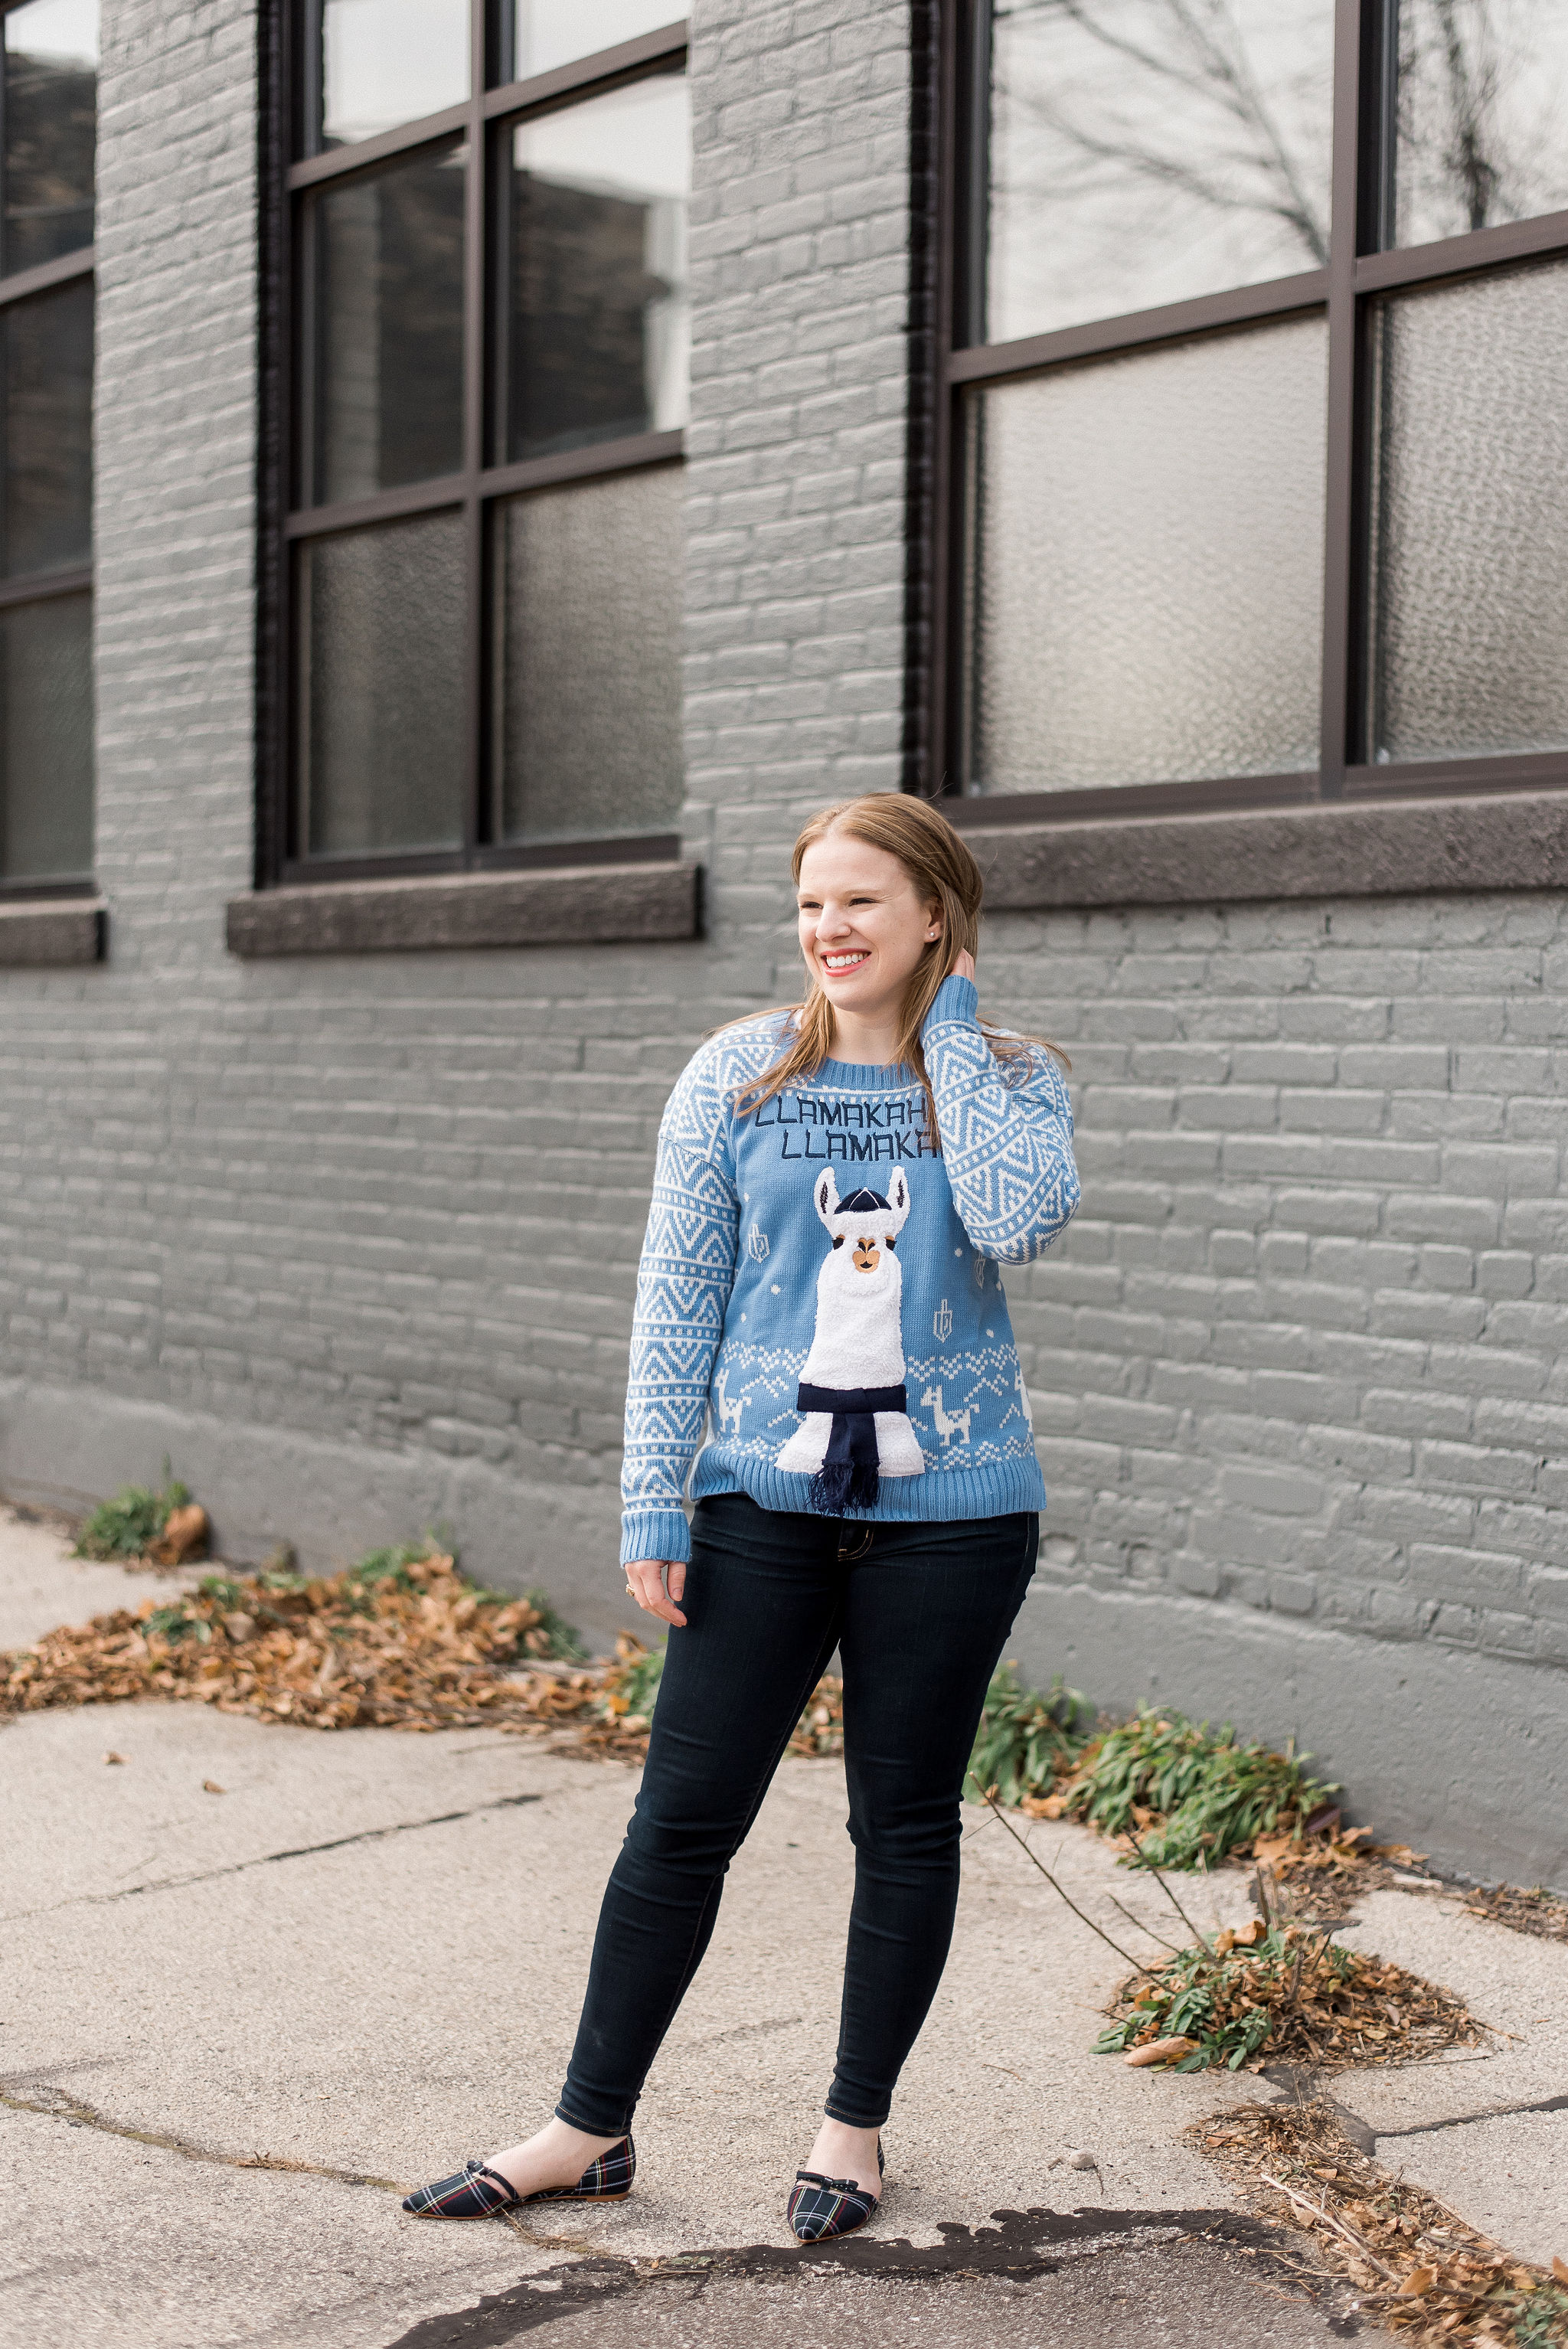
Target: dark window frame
pixel 37 586
pixel 1358 271
pixel 288 170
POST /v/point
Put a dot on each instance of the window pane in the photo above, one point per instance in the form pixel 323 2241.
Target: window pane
pixel 1482 113
pixel 384 62
pixel 548 33
pixel 50 117
pixel 389 376
pixel 600 339
pixel 1469 517
pixel 45 419
pixel 46 740
pixel 381 688
pixel 1145 566
pixel 587 657
pixel 1142 152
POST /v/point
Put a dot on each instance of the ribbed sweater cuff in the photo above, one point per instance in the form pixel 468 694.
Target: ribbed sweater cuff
pixel 957 1001
pixel 655 1533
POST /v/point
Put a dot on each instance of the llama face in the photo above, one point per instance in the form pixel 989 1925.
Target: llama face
pixel 865 1228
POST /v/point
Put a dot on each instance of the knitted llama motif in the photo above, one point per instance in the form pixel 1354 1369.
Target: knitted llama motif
pixel 856 1428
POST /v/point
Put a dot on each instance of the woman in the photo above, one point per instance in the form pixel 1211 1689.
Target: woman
pixel 838 1185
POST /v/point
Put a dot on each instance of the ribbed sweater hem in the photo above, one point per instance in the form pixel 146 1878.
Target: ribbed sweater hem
pixel 993 1492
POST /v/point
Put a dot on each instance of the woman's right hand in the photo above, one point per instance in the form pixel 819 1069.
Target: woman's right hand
pixel 645 1581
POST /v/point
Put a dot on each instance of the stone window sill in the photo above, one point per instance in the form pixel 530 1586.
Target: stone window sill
pixel 52 933
pixel 1515 840
pixel 587 904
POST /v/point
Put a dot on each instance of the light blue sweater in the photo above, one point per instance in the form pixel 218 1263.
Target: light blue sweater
pixel 819 1287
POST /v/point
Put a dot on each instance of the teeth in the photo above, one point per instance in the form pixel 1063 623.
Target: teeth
pixel 844 961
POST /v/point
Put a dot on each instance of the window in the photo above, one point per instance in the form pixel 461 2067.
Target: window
pixel 484 377
pixel 48 105
pixel 1257 486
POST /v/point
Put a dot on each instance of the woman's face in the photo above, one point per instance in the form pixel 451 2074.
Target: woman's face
pixel 863 926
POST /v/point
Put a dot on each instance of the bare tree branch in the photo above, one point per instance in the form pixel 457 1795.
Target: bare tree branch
pixel 1205 56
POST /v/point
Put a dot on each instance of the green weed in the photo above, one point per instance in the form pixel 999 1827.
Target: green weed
pixel 221 1590
pixel 638 1684
pixel 1026 1741
pixel 174 1623
pixel 1210 1794
pixel 392 1565
pixel 128 1526
pixel 1542 2322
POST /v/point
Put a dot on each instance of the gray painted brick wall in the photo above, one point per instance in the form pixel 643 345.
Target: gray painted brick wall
pixel 1303 1350
pixel 355 1241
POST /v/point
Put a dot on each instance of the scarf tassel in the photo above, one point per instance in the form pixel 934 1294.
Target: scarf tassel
pixel 849 1477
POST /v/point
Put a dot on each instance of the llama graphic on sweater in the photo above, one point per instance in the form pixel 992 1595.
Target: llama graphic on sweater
pixel 856 1428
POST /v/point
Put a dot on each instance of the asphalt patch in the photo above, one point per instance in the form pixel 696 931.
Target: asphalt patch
pixel 1021 2245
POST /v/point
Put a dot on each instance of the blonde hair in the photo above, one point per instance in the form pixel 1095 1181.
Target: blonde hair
pixel 942 868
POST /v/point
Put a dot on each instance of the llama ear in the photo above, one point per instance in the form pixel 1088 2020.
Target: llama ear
pixel 826 1196
pixel 898 1196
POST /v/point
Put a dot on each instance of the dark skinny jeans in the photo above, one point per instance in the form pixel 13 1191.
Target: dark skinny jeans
pixel 919 1613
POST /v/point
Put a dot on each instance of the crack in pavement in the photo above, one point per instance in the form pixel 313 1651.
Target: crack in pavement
pixel 269 1858
pixel 56 2106
pixel 1020 2245
pixel 1468 2120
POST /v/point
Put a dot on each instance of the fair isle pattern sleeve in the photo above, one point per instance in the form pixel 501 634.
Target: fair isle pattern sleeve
pixel 1007 1145
pixel 684 1281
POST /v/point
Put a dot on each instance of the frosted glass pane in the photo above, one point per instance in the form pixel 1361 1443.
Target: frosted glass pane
pixel 1483 115
pixel 1145 566
pixel 389 371
pixel 1143 151
pixel 599 340
pixel 384 62
pixel 46 740
pixel 588 601
pixel 1470 518
pixel 381 652
pixel 550 33
pixel 50 115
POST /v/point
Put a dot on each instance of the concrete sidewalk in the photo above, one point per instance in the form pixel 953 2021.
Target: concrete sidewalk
pixel 235 2026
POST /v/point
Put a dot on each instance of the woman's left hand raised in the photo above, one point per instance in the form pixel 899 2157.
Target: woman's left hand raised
pixel 963 965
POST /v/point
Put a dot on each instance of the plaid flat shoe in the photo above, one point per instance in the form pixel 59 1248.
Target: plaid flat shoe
pixel 476 2192
pixel 820 2207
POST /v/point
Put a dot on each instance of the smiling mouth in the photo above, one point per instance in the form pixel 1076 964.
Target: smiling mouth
pixel 850 960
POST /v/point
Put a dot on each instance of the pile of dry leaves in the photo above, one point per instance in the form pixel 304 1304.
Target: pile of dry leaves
pixel 1321 1875
pixel 1534 1911
pixel 1407 2260
pixel 397 1642
pixel 1293 1992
